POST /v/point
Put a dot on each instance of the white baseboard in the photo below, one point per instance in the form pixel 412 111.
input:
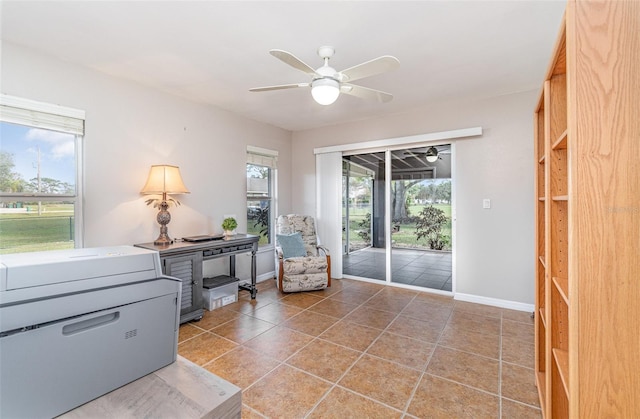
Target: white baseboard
pixel 261 277
pixel 265 276
pixel 496 302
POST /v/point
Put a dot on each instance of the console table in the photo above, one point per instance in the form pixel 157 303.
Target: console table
pixel 183 260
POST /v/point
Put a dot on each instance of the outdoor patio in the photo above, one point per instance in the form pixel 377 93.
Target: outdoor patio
pixel 422 268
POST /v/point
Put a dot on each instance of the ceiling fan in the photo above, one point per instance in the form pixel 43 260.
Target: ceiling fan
pixel 431 153
pixel 327 83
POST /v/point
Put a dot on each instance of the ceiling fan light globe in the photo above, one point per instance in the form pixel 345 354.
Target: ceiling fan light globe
pixel 325 91
pixel 432 155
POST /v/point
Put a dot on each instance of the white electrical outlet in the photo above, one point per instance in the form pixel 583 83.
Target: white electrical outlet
pixel 486 203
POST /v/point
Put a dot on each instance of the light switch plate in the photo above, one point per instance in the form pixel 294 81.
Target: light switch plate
pixel 486 203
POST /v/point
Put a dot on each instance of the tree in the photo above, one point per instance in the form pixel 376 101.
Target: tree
pixel 10 181
pixel 431 220
pixel 399 190
pixel 443 192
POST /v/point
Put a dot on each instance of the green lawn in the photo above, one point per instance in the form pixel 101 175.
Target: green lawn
pixel 406 237
pixel 28 232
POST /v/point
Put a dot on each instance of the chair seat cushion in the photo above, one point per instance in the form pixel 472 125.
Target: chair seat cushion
pixel 305 265
pixel 291 244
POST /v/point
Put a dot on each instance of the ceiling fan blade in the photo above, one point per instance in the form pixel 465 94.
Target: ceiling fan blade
pixel 279 87
pixel 365 92
pixel 292 60
pixel 371 68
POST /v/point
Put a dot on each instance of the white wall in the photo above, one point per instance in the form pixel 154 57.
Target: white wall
pixel 495 251
pixel 129 128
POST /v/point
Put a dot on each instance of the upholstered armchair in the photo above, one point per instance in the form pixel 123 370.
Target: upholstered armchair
pixel 301 264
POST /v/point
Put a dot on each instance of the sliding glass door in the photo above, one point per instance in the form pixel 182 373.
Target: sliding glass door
pixel 397 213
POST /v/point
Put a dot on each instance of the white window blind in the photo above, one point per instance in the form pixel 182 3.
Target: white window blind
pixel 262 157
pixel 21 111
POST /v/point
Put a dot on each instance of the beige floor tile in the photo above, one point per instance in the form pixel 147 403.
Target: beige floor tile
pixel 324 359
pixel 187 331
pixel 517 316
pixel 341 404
pixel 389 302
pixel 481 309
pixel 365 287
pixel 215 318
pixel 242 366
pixel 352 335
pixel 518 351
pixel 441 399
pixel 435 299
pixel 428 331
pixel 279 343
pixel 518 330
pixel 301 299
pixel 460 321
pixel 276 313
pixel 514 410
pixel 462 367
pixel 386 381
pixel 204 347
pixel 478 343
pixel 350 296
pixel 242 328
pixel 285 392
pixel 425 311
pixel 246 305
pixel 518 383
pixel 409 352
pixel 249 413
pixel 370 317
pixel 310 323
pixel 333 308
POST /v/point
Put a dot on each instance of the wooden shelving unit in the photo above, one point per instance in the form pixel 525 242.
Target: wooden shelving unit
pixel 587 190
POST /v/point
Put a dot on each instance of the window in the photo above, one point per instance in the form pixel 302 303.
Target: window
pixel 40 190
pixel 261 173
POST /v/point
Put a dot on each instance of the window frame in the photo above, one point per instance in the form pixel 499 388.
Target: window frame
pixel 262 157
pixel 46 116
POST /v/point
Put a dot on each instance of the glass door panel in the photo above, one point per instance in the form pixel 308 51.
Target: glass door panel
pixel 363 212
pixel 420 190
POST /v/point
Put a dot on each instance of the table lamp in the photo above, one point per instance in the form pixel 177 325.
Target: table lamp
pixel 166 180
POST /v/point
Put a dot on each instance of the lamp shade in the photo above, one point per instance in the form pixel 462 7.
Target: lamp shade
pixel 325 91
pixel 164 179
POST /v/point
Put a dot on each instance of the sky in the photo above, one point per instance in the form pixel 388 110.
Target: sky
pixel 57 152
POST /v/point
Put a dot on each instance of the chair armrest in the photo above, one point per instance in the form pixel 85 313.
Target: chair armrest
pixel 279 254
pixel 324 249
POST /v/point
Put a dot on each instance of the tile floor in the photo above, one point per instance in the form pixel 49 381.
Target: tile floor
pixel 422 268
pixel 363 350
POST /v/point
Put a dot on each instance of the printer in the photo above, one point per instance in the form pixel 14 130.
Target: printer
pixel 76 324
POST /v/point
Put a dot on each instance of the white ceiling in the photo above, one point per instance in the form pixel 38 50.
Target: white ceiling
pixel 214 51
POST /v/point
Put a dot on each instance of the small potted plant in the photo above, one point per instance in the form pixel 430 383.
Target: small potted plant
pixel 228 225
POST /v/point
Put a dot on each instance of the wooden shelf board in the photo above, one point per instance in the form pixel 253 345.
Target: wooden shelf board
pixel 544 321
pixel 561 143
pixel 562 362
pixel 541 159
pixel 560 198
pixel 542 199
pixel 541 259
pixel 562 284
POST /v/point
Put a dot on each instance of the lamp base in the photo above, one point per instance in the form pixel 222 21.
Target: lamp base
pixel 163 240
pixel 163 219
